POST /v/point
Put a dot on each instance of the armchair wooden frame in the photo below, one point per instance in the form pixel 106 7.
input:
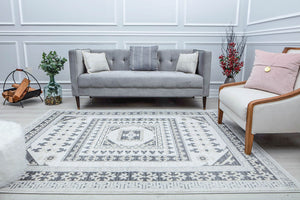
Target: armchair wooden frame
pixel 248 135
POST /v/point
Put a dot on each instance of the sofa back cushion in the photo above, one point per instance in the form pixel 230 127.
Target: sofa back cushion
pixel 143 58
pixel 118 59
pixel 168 58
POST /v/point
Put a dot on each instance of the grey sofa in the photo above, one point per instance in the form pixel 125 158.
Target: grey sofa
pixel 121 82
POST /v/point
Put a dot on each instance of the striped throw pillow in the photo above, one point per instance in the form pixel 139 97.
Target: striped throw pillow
pixel 143 58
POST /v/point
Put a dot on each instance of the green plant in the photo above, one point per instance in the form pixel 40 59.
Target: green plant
pixel 51 63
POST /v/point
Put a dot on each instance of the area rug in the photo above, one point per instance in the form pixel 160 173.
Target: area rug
pixel 150 151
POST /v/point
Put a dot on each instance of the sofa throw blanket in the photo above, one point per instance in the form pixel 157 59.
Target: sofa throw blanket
pixel 143 58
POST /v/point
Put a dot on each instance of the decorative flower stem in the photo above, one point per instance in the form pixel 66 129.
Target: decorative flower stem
pixel 232 52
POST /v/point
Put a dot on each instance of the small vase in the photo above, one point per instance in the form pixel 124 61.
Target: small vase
pixel 229 79
pixel 52 92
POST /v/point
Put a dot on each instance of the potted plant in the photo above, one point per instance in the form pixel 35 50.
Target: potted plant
pixel 52 65
pixel 232 52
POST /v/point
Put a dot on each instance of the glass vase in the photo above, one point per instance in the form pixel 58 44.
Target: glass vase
pixel 52 92
pixel 229 79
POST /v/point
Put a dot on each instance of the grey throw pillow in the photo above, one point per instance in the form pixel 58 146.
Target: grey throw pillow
pixel 143 58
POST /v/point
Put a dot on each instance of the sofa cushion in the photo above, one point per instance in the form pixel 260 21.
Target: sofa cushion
pixel 237 98
pixel 140 79
pixel 118 59
pixel 95 62
pixel 274 72
pixel 187 63
pixel 143 58
pixel 168 58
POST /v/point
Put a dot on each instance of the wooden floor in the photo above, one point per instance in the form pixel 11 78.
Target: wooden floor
pixel 284 148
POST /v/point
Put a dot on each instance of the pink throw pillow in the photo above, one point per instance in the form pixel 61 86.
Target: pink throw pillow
pixel 274 72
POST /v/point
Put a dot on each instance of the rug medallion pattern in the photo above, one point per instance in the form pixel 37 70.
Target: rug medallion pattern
pixel 143 152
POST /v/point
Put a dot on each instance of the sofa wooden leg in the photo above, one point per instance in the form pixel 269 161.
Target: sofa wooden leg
pixel 204 103
pixel 78 102
pixel 248 135
pixel 220 116
pixel 248 142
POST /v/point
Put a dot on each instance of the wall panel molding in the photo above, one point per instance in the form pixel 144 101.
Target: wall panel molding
pixel 127 44
pixel 273 31
pixel 236 20
pixel 26 33
pixel 53 23
pixel 274 43
pixel 8 42
pixel 175 23
pixel 15 43
pixel 268 19
pixel 12 63
pixel 199 42
pixel 280 17
pixel 12 13
pixel 118 33
pixel 27 43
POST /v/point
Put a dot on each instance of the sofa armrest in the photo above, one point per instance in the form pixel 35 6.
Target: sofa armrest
pixel 275 114
pixel 230 85
pixel 204 69
pixel 76 68
pixel 236 84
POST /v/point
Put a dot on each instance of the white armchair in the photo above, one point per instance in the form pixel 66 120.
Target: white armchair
pixel 258 111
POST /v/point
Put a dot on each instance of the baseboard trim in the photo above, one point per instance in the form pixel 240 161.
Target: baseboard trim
pixel 67 93
pixel 213 93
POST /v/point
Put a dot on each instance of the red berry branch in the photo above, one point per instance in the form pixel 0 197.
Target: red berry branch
pixel 231 55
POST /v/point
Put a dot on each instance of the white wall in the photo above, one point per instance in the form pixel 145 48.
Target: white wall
pixel 271 26
pixel 29 27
